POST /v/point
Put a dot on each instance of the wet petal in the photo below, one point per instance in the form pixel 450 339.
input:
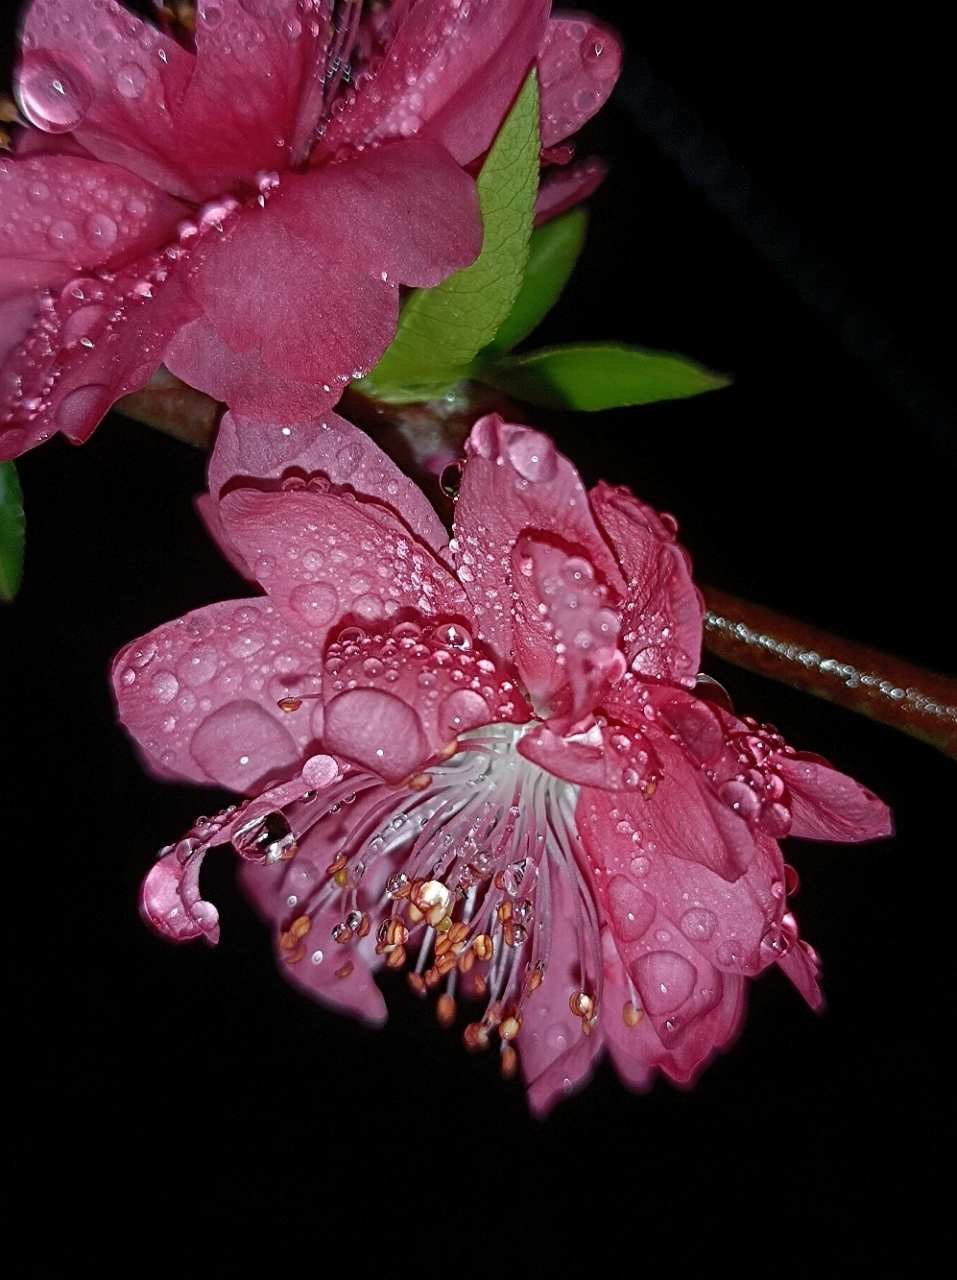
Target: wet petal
pixel 661 620
pixel 200 695
pixel 562 188
pixel 451 74
pixel 327 560
pixel 578 65
pixel 827 805
pixel 516 482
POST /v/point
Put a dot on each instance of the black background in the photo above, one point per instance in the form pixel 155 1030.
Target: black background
pixel 186 1102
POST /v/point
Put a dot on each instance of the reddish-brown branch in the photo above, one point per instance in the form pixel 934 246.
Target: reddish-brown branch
pixel 887 689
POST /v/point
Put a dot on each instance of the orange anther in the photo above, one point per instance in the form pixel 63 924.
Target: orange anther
pixel 475 1037
pixel 511 1025
pixel 466 960
pixel 445 1010
pixel 295 956
pixel 509 1064
pixel 365 924
pixel 289 704
pixel 416 983
pixel 420 782
pixel 396 958
pixel 631 1015
pixel 483 946
pixel 300 926
pixel 533 980
pixel 345 970
pixel 581 1005
pixel 338 865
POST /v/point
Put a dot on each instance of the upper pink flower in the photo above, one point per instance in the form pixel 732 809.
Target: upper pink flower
pixel 494 749
pixel 246 209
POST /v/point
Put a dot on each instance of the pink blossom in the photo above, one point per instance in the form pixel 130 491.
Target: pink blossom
pixel 246 208
pixel 492 753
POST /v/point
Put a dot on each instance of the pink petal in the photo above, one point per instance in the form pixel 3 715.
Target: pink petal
pixel 662 617
pixel 393 700
pixel 65 214
pixel 802 965
pixel 199 356
pixel 578 66
pixel 556 1057
pixel 827 805
pixel 170 899
pixel 208 511
pixel 330 446
pixel 200 695
pixel 333 296
pixel 612 757
pixel 564 634
pixel 91 358
pixel 326 560
pixel 121 82
pixel 561 189
pixel 451 74
pixel 516 482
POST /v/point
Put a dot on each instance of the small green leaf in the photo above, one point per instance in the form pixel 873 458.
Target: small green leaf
pixel 441 330
pixel 12 531
pixel 599 377
pixel 552 253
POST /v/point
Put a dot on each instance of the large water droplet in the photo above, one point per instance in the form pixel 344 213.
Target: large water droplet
pixel 375 729
pixel 199 665
pixel 130 81
pixel 55 96
pixel 630 909
pixel 698 924
pixel 316 602
pixel 100 231
pixel 62 234
pixel 240 745
pixel 664 980
pixel 461 711
pixel 532 455
pixel 79 408
pixel 164 686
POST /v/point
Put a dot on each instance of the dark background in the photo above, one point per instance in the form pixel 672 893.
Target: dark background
pixel 187 1102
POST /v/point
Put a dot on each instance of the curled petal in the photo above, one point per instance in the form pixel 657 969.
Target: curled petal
pixel 663 610
pixel 578 66
pixel 516 481
pixel 827 805
pixel 562 189
pixel 170 899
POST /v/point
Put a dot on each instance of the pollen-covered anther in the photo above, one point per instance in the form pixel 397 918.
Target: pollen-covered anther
pixel 342 934
pixel 445 1010
pixel 432 977
pixel 431 899
pixel 511 1025
pixel 466 961
pixel 391 933
pixel 415 981
pixel 475 1037
pixel 290 938
pixel 345 970
pixel 396 959
pixel 334 868
pixel 445 964
pixel 480 985
pixel 533 979
pixel 509 1064
pixel 293 957
pixel 631 1015
pixel 483 946
pixel 582 1005
pixel 447 752
pixel 289 704
pixel 649 787
pixel 419 782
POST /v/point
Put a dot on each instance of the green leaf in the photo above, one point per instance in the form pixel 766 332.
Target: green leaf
pixel 599 377
pixel 552 253
pixel 12 531
pixel 442 329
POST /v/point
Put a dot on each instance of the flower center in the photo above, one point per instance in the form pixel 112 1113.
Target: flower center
pixel 460 867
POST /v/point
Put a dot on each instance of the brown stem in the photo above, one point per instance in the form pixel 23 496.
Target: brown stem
pixel 874 684
pixel 418 437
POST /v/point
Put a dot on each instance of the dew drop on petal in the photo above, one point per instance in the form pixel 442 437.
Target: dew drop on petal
pixel 55 95
pixel 698 924
pixel 100 231
pixel 82 406
pixel 240 745
pixel 317 603
pixel 533 455
pixel 664 980
pixel 130 81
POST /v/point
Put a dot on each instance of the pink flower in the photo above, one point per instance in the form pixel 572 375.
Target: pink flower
pixel 490 753
pixel 246 208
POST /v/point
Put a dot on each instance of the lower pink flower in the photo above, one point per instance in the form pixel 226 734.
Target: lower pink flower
pixel 488 760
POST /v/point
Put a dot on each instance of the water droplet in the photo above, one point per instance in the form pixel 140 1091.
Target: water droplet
pixel 664 979
pixel 199 665
pixel 211 15
pixel 82 407
pixel 463 710
pixel 55 95
pixel 164 686
pixel 239 745
pixel 698 924
pixel 556 1038
pixel 100 230
pixel 532 455
pixel 316 602
pixel 130 81
pixel 62 234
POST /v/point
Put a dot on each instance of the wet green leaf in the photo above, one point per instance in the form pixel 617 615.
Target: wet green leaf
pixel 599 377
pixel 12 531
pixel 442 329
pixel 552 253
